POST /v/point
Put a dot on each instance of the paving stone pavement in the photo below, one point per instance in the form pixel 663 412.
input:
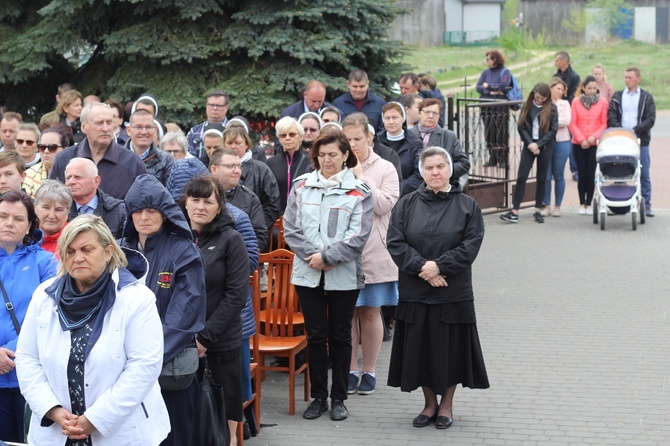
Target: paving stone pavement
pixel 574 324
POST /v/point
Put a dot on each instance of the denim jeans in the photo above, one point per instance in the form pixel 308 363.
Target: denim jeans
pixel 557 171
pixel 645 181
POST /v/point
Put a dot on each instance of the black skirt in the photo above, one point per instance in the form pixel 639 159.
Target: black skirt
pixel 436 346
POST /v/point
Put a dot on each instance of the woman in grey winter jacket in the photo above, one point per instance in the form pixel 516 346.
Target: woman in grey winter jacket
pixel 327 223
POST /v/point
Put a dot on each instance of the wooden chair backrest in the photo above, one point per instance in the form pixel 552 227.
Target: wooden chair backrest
pixel 279 227
pixel 282 300
pixel 255 286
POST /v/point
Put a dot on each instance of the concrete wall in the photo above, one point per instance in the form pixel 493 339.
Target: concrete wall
pixel 644 24
pixel 482 21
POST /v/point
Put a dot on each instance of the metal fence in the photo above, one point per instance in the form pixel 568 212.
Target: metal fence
pixel 488 131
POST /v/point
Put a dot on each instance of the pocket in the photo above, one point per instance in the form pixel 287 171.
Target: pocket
pixel 333 219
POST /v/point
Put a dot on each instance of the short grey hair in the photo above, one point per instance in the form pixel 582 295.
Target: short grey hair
pixel 53 191
pixel 93 223
pixel 86 111
pixel 90 167
pixel 28 127
pixel 175 137
pixel 287 123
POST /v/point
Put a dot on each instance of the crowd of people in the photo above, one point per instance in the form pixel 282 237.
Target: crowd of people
pixel 126 246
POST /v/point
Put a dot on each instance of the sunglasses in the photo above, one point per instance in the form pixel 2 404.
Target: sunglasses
pixel 48 147
pixel 310 130
pixel 28 142
pixel 289 135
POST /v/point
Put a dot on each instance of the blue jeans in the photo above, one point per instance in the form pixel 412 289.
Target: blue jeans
pixel 645 181
pixel 557 170
pixel 12 408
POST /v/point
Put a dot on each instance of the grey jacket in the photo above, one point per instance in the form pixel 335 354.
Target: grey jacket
pixel 335 222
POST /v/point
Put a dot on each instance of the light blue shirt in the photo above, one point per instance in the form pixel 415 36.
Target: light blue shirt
pixel 89 207
pixel 629 106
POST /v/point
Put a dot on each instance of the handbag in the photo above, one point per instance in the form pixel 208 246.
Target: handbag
pixel 210 427
pixel 10 308
pixel 178 373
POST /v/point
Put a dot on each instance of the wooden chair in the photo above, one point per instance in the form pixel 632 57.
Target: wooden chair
pixel 275 331
pixel 278 226
pixel 255 286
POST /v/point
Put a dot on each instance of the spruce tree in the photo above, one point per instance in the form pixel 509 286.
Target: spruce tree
pixel 262 52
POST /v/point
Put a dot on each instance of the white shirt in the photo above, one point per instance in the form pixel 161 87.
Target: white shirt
pixel 629 106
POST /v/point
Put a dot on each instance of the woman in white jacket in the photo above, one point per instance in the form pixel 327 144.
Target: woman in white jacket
pixel 91 347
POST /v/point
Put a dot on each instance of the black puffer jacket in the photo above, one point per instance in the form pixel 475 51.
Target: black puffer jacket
pixel 157 162
pixel 279 165
pixel 227 282
pixel 259 178
pixel 176 266
pixel 447 228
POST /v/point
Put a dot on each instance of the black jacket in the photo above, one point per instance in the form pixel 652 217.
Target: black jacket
pixel 157 162
pixel 408 152
pixel 227 283
pixel 526 129
pixel 646 115
pixel 447 139
pixel 259 178
pixel 278 164
pixel 112 211
pixel 389 155
pixel 447 228
pixel 571 79
pixel 176 266
pixel 243 198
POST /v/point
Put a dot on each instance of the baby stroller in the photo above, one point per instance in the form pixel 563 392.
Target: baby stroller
pixel 617 183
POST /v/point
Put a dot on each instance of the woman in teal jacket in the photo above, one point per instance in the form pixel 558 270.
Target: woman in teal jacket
pixel 23 266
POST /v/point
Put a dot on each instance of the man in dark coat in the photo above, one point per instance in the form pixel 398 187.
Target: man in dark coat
pixel 314 99
pixel 81 177
pixel 118 167
pixel 359 98
pixel 142 132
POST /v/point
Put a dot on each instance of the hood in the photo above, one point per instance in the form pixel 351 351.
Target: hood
pixel 148 193
pixel 136 271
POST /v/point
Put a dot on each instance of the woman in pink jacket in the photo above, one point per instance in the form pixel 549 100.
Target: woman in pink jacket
pixel 381 274
pixel 589 120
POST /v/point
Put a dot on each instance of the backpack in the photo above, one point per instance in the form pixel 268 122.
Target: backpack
pixel 514 93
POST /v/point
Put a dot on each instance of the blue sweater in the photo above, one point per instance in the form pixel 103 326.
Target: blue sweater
pixel 21 272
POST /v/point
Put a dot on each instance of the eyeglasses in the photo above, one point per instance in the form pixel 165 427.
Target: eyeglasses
pixel 27 142
pixel 430 112
pixel 309 130
pixel 48 147
pixel 231 166
pixel 216 105
pixel 488 58
pixel 287 135
pixel 141 128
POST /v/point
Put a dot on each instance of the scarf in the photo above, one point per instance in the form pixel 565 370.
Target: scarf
pixel 425 133
pixel 334 180
pixel 588 101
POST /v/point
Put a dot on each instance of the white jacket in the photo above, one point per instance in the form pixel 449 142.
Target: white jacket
pixel 123 397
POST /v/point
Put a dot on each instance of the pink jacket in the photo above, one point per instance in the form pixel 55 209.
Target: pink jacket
pixel 382 178
pixel 587 123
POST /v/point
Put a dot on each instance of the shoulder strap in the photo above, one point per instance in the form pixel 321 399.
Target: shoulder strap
pixel 10 308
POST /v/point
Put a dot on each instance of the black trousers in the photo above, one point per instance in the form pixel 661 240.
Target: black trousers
pixel 525 165
pixel 181 409
pixel 586 171
pixel 328 316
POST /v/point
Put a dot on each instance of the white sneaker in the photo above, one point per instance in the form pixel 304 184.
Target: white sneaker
pixel 589 210
pixel 582 211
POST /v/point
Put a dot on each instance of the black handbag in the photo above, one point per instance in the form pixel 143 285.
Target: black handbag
pixel 178 373
pixel 211 426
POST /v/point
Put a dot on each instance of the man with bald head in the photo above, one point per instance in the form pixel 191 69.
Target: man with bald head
pixel 314 99
pixel 81 177
pixel 117 166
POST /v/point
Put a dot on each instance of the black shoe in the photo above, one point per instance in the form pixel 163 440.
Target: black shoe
pixel 315 409
pixel 510 217
pixel 423 420
pixel 339 411
pixel 538 219
pixel 443 422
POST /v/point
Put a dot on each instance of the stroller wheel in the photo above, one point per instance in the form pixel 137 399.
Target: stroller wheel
pixel 643 216
pixel 596 211
pixel 634 220
pixel 603 216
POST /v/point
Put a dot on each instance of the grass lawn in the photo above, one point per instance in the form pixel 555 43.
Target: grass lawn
pixel 451 65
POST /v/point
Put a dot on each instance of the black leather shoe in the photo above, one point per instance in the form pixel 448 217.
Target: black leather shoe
pixel 443 422
pixel 423 420
pixel 339 411
pixel 315 409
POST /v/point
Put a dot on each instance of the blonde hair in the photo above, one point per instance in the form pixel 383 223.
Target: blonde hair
pixel 600 67
pixel 93 223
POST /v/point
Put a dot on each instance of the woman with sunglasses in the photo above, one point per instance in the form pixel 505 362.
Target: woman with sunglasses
pixel 25 139
pixel 53 140
pixel 311 124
